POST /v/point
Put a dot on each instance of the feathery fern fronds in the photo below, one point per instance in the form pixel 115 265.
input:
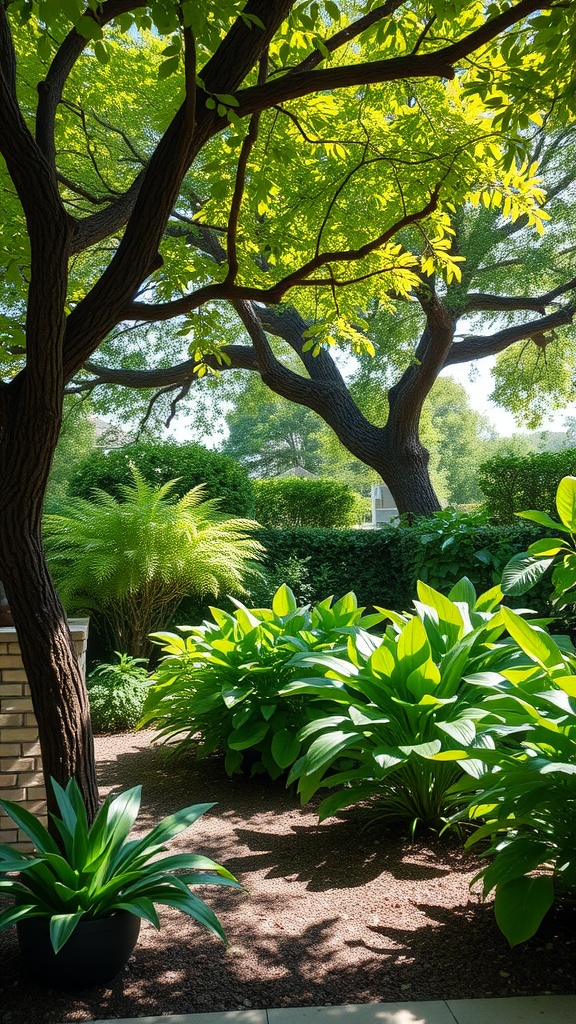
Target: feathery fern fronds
pixel 134 560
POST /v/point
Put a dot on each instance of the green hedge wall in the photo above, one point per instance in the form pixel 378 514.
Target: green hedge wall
pixel 516 483
pixel 160 462
pixel 382 566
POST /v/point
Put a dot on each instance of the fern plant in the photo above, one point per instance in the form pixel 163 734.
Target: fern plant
pixel 134 560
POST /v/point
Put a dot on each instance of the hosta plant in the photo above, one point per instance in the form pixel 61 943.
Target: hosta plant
pixel 220 687
pixel 94 871
pixel 117 692
pixel 527 803
pixel 395 701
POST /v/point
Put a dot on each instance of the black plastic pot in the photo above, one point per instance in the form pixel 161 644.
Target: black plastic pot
pixel 94 953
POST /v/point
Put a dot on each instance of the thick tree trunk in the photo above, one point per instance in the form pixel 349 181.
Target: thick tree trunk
pixel 58 691
pixel 394 451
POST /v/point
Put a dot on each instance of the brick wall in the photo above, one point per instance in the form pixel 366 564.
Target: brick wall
pixel 21 777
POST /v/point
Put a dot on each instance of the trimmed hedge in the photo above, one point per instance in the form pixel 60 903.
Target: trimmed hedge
pixel 300 502
pixel 516 483
pixel 160 462
pixel 382 566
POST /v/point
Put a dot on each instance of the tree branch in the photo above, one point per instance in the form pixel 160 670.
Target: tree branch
pixel 478 301
pixel 439 64
pixel 156 312
pixel 51 89
pixel 477 346
pixel 137 255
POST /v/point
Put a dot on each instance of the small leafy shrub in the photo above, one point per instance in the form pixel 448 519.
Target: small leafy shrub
pixel 98 870
pixel 395 701
pixel 296 502
pixel 221 687
pixel 528 801
pixel 117 693
pixel 185 465
pixel 453 545
pixel 511 483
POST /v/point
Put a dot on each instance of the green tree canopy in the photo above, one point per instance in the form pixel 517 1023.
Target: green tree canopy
pixel 405 110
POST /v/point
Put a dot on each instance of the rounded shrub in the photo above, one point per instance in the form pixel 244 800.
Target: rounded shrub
pixel 297 502
pixel 159 462
pixel 117 693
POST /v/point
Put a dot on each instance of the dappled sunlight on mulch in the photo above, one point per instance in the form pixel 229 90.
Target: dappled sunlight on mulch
pixel 333 914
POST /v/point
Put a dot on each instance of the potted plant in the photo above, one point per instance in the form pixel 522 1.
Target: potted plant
pixel 97 884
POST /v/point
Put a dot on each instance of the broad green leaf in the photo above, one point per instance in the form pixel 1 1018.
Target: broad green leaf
pixel 521 905
pixel 522 572
pixel 248 735
pixel 283 602
pixel 449 618
pixel 285 748
pixel 30 826
pixel 535 642
pixel 413 646
pixel 463 591
pixel 61 928
pixel 543 519
pixel 566 502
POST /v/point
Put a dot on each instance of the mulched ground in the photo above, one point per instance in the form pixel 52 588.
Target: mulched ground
pixel 334 915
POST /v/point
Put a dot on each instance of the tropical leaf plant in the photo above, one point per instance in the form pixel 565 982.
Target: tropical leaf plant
pixel 525 569
pixel 96 870
pixel 134 560
pixel 220 687
pixel 420 691
pixel 527 802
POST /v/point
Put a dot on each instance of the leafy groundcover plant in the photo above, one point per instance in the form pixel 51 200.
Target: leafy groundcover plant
pixel 394 702
pixel 98 870
pixel 221 687
pixel 528 800
pixel 117 693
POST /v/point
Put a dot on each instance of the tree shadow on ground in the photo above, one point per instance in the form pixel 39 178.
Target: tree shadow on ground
pixel 455 954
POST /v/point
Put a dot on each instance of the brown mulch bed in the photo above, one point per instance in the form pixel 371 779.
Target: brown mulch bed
pixel 334 915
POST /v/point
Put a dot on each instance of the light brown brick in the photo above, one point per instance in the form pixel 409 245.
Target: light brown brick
pixel 11 661
pixel 15 704
pixel 11 719
pixel 31 749
pixel 27 779
pixel 11 735
pixel 13 675
pixel 14 648
pixel 14 690
pixel 10 835
pixel 37 807
pixel 16 764
pixel 8 779
pixel 11 749
pixel 3 648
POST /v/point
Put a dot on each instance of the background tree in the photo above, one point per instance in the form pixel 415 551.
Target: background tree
pixel 87 247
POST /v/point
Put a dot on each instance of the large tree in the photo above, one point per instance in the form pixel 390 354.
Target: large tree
pixel 85 252
pixel 514 290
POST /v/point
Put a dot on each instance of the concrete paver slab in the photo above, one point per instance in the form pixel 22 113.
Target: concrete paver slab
pixel 518 1010
pixel 367 1013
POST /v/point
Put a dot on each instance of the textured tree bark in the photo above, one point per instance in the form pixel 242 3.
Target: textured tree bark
pixel 58 691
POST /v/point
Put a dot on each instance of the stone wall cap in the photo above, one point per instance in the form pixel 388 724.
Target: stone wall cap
pixel 76 626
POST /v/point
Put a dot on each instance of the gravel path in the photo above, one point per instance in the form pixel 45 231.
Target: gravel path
pixel 333 915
